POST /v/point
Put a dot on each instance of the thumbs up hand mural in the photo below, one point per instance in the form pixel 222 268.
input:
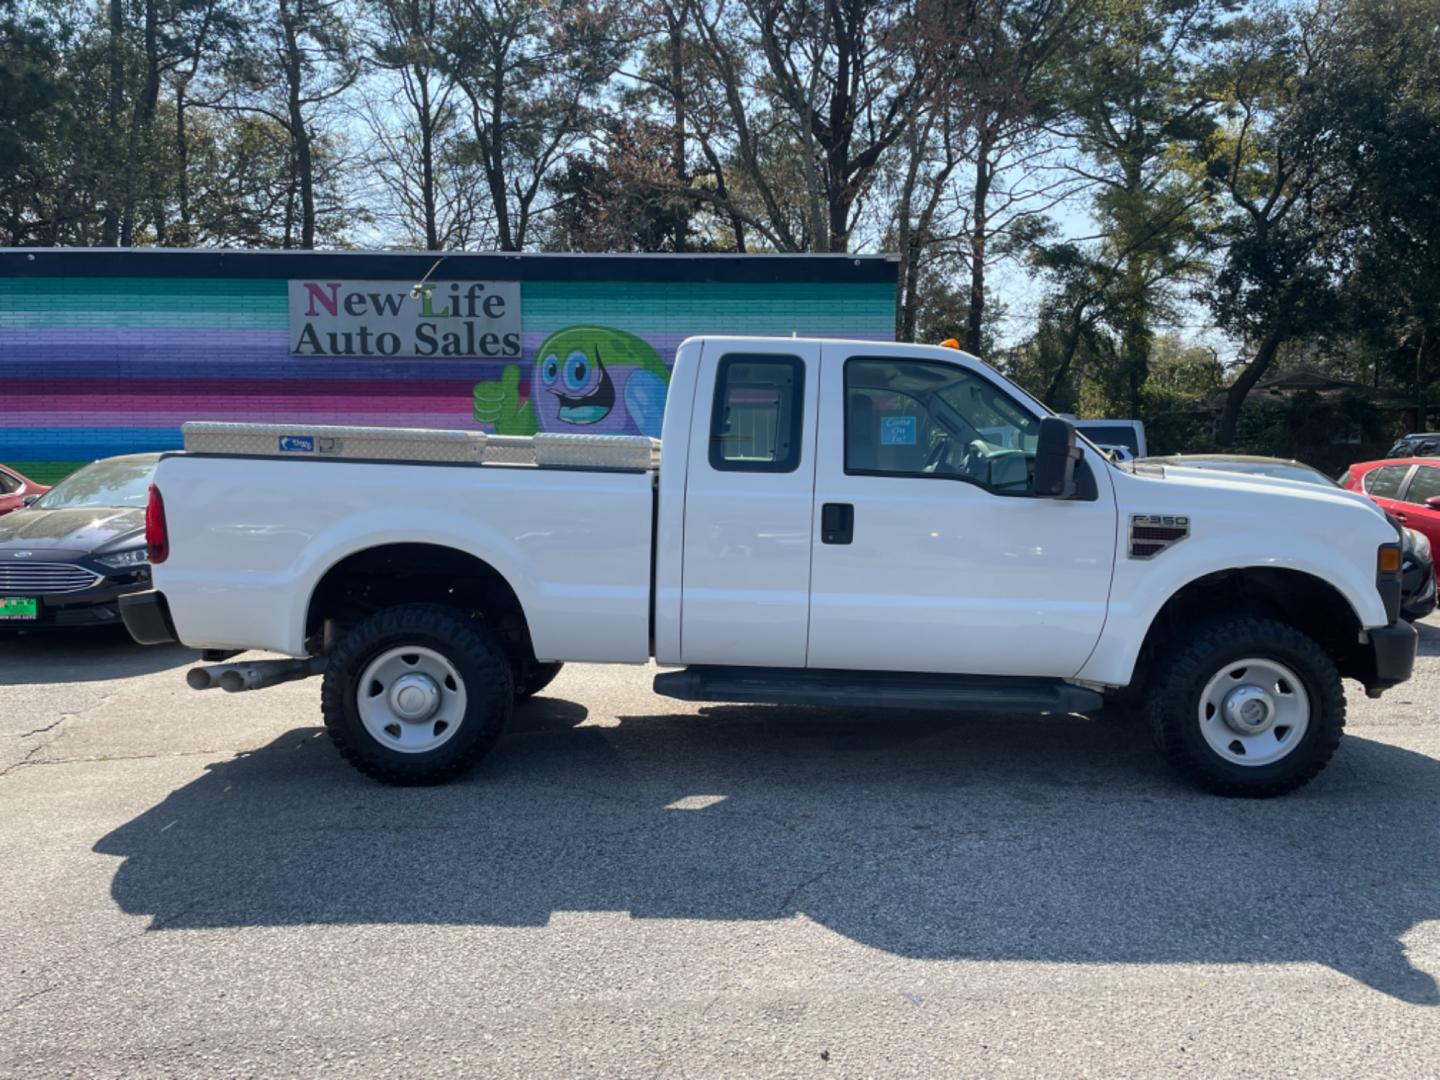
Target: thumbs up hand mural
pixel 498 405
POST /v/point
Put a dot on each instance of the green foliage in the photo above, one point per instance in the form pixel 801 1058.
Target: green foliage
pixel 1327 431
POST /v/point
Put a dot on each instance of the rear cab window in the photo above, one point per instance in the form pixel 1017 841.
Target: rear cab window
pixel 756 421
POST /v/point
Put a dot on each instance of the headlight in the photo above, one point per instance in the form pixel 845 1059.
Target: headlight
pixel 123 560
pixel 1419 544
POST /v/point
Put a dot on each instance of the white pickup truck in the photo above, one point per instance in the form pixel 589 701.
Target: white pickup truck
pixel 822 522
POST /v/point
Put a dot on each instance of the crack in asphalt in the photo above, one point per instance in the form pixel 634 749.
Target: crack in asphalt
pixel 795 889
pixel 26 760
pixel 25 999
pixel 48 727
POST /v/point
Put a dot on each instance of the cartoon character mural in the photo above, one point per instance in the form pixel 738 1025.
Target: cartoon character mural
pixel 585 378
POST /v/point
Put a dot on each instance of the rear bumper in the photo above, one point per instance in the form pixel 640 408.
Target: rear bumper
pixel 1393 653
pixel 147 617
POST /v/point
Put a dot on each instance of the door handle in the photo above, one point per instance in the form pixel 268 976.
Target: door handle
pixel 837 523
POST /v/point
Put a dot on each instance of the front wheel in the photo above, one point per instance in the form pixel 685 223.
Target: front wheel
pixel 416 694
pixel 1247 706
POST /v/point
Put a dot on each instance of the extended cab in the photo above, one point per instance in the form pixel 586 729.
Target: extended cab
pixel 857 524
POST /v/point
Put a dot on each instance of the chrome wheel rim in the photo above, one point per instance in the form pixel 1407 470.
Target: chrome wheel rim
pixel 411 699
pixel 1254 712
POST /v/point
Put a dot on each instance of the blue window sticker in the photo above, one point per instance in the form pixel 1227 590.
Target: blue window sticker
pixel 297 444
pixel 897 431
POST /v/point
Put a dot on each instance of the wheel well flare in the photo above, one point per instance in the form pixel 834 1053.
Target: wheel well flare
pixel 1308 603
pixel 379 577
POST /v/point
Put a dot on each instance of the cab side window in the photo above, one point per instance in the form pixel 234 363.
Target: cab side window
pixel 756 419
pixel 1384 482
pixel 925 418
pixel 1425 484
pixel 8 484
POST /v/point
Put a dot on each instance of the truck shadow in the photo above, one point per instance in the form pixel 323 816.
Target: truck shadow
pixel 83 655
pixel 1055 840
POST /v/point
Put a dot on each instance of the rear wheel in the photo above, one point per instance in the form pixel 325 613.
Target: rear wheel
pixel 416 694
pixel 1248 706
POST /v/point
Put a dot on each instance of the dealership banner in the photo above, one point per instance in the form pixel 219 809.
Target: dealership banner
pixel 449 319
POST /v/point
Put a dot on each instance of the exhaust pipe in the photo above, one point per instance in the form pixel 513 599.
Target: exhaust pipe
pixel 255 675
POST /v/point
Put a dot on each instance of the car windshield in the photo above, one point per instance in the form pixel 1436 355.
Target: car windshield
pixel 120 482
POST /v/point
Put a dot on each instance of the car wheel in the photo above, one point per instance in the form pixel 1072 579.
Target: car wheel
pixel 416 694
pixel 1247 707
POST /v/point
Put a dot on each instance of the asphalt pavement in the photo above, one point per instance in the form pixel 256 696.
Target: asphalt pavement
pixel 195 884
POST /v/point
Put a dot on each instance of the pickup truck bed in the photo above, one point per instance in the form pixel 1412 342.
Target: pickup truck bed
pixel 566 519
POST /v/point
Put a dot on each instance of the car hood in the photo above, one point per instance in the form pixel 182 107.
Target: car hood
pixel 84 528
pixel 1278 491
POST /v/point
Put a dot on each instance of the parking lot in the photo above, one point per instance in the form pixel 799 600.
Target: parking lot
pixel 196 882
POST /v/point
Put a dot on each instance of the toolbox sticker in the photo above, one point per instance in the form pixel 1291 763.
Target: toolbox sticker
pixel 297 444
pixel 897 431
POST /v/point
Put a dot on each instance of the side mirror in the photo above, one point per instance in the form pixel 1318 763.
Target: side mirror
pixel 1055 458
pixel 1433 502
pixel 30 500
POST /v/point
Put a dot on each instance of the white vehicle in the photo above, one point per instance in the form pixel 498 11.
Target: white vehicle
pixel 1125 439
pixel 822 522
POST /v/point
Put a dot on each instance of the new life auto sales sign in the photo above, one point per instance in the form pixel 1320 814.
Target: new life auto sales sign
pixel 468 319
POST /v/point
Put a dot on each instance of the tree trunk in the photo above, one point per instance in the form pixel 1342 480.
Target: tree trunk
pixel 427 160
pixel 979 238
pixel 182 157
pixel 1135 335
pixel 1420 424
pixel 144 112
pixel 1236 392
pixel 1067 357
pixel 299 134
pixel 838 202
pixel 110 230
pixel 680 210
pixel 493 148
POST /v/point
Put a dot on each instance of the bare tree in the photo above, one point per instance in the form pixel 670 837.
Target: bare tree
pixel 300 58
pixel 840 79
pixel 530 72
pixel 412 113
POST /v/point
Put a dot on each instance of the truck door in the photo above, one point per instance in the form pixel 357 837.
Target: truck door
pixel 930 553
pixel 750 481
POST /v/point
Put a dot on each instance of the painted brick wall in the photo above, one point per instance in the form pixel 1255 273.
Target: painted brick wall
pixel 112 363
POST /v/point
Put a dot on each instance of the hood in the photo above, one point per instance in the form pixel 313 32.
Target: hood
pixel 85 529
pixel 1236 481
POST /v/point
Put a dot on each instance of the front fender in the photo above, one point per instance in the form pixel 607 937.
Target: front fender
pixel 1142 587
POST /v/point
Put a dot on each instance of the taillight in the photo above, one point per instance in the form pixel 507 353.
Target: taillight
pixel 157 536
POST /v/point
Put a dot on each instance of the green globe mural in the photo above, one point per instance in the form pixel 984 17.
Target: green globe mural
pixel 584 379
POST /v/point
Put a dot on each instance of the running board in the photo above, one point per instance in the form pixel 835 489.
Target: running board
pixel 876 689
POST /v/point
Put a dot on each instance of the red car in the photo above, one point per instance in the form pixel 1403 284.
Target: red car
pixel 15 489
pixel 1407 487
